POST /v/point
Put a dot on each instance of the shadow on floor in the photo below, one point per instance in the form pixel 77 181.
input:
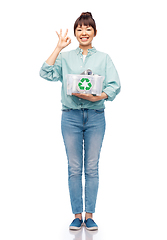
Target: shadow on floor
pixel 84 234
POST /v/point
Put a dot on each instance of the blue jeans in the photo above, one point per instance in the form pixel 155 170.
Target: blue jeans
pixel 83 130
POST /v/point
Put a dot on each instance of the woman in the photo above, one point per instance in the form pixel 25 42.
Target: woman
pixel 83 120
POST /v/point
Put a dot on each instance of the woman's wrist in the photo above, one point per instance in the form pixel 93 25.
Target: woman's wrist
pixel 103 96
pixel 58 49
pixel 99 98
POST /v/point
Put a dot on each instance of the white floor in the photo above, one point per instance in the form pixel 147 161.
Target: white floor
pixel 82 234
pixel 135 226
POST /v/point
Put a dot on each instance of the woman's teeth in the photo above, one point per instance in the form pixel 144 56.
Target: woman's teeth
pixel 84 39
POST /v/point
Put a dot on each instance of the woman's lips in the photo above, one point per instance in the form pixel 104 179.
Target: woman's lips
pixel 84 39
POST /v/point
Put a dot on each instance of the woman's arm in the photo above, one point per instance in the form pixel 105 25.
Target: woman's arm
pixel 63 42
pixel 51 70
pixel 91 97
pixel 113 85
pixel 51 60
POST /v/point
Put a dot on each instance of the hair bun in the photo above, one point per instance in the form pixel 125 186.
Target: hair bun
pixel 86 14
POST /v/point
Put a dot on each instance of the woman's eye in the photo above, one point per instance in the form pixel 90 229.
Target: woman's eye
pixel 78 30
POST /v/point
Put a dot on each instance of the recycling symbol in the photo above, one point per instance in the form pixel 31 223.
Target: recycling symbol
pixel 84 85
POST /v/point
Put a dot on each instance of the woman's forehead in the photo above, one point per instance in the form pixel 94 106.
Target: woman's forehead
pixel 83 26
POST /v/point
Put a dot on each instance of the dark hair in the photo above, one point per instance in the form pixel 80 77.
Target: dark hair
pixel 85 19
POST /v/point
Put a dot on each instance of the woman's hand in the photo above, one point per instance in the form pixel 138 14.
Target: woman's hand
pixel 64 41
pixel 91 97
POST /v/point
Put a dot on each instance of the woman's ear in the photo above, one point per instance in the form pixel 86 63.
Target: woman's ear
pixel 95 33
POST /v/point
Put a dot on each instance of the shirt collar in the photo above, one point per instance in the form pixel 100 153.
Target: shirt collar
pixel 90 51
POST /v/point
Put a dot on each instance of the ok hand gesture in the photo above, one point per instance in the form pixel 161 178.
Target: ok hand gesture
pixel 64 41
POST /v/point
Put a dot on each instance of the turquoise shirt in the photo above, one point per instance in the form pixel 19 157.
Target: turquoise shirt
pixel 72 63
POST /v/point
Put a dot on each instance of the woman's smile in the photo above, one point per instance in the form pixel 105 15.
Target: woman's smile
pixel 84 39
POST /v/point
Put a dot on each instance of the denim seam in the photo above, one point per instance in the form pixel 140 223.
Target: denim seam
pixel 84 122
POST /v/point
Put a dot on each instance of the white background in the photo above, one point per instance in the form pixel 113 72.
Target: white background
pixel 34 201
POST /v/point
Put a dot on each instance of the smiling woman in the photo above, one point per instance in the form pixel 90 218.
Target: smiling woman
pixel 83 119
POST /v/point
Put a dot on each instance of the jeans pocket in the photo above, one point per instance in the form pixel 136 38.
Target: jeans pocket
pixel 66 110
pixel 99 110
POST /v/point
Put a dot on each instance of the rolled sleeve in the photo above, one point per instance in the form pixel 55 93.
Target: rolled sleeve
pixel 52 72
pixel 112 81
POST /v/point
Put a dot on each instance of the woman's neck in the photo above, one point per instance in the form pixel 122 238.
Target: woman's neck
pixel 85 49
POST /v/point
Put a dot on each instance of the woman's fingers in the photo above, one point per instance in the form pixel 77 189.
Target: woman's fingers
pixel 68 41
pixel 57 34
pixel 63 40
pixel 60 35
pixel 67 38
pixel 66 33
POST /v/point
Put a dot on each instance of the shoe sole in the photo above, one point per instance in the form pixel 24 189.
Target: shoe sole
pixel 92 228
pixel 76 228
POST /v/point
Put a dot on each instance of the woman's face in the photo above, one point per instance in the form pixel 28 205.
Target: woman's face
pixel 85 35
